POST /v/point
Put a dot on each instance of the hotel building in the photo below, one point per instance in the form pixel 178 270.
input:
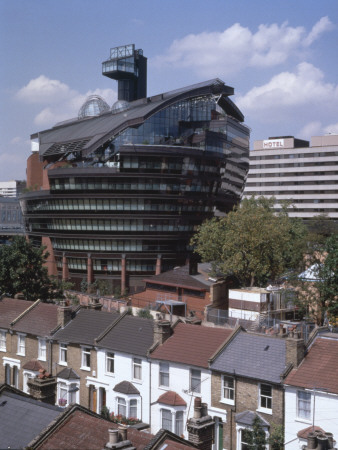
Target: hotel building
pixel 298 171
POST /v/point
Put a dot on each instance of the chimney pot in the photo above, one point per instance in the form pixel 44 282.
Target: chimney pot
pixel 323 443
pixel 113 436
pixel 123 432
pixel 312 441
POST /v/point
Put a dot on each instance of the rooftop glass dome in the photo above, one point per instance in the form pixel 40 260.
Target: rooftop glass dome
pixel 120 105
pixel 93 106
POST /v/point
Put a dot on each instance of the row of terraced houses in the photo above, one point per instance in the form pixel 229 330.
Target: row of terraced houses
pixel 153 370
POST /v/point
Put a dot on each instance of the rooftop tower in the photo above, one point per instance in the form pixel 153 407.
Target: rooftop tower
pixel 129 67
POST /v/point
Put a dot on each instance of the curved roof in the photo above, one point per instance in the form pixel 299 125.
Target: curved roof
pixel 87 134
pixel 93 106
pixel 171 398
pixel 125 387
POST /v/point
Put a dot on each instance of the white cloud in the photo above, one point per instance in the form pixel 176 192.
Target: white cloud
pixel 311 129
pixel 237 47
pixel 42 90
pixel 323 25
pixel 58 101
pixel 331 129
pixel 304 87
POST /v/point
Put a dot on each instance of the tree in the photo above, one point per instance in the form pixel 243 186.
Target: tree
pixel 318 292
pixel 22 270
pixel 256 437
pixel 252 242
pixel 276 438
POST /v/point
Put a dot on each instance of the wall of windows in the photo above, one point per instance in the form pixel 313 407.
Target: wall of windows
pixel 105 205
pixel 103 225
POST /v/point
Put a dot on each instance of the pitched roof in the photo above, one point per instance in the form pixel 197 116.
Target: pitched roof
pixel 303 434
pixel 33 365
pixel 68 374
pixel 191 344
pixel 39 320
pixel 254 356
pixel 86 326
pixel 125 387
pixel 131 334
pixel 171 398
pixel 247 418
pixel 80 428
pixel 181 277
pixel 10 309
pixel 319 368
pixel 23 418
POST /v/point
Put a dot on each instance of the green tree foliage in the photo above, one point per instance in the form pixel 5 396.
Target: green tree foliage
pixel 22 270
pixel 276 438
pixel 328 275
pixel 256 437
pixel 319 299
pixel 252 242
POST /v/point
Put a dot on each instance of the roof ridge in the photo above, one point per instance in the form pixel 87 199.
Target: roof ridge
pixel 225 343
pixel 110 327
pixel 26 311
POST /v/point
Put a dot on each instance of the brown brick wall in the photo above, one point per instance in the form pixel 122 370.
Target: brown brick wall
pixel 143 299
pixel 31 352
pixel 74 359
pixel 246 398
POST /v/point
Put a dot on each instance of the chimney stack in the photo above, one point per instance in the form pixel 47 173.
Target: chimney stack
pixel 317 440
pixel 201 426
pixel 162 331
pixel 64 314
pixel 295 349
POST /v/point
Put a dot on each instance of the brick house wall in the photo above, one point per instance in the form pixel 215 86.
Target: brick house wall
pixel 74 361
pixel 31 353
pixel 246 398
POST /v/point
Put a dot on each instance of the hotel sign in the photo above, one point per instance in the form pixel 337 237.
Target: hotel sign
pixel 273 143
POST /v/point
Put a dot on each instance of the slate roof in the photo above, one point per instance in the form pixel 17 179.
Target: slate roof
pixel 68 374
pixel 319 368
pixel 133 335
pixel 10 309
pixel 251 355
pixel 125 387
pixel 191 344
pixel 247 418
pixel 180 277
pixel 22 418
pixel 86 326
pixel 40 320
pixel 172 399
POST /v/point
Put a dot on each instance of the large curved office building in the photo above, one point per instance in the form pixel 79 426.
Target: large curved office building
pixel 118 192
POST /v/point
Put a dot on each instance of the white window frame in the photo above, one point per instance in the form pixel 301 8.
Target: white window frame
pixel 42 349
pixel 27 375
pixel 69 397
pixel 195 387
pixel 164 373
pixel 11 362
pixel 228 391
pixel 263 397
pixel 21 350
pixel 63 354
pixel 137 367
pixel 241 427
pixel 3 334
pixel 177 417
pixel 110 357
pixel 121 404
pixel 303 417
pixel 169 419
pixel 85 358
pixel 129 403
pixel 133 404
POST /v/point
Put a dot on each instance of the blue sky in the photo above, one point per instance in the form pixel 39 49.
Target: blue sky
pixel 281 56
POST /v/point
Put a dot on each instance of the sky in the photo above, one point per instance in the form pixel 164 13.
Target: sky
pixel 280 56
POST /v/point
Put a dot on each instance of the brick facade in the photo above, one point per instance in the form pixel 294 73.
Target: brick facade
pixel 246 398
